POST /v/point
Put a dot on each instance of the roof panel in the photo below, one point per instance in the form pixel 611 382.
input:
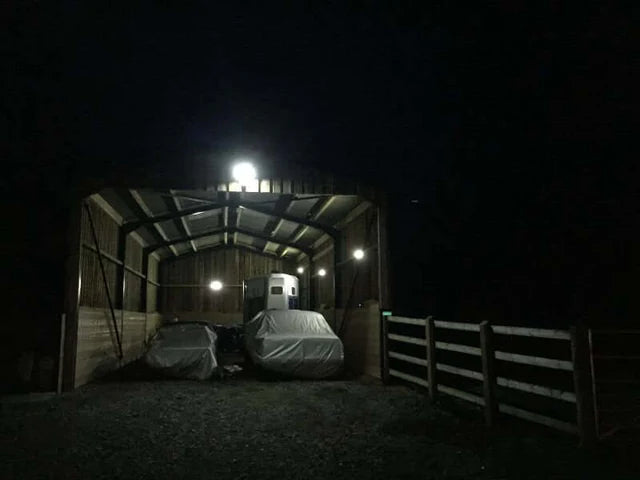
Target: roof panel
pixel 188 199
pixel 330 214
pixel 113 199
pixel 183 248
pixel 338 209
pixel 208 241
pixel 286 229
pixel 146 235
pixel 252 220
pixel 170 229
pixel 300 208
pixel 245 239
pixel 203 223
pixel 154 202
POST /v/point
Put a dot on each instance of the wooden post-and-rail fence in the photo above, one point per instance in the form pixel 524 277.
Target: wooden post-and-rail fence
pixel 400 349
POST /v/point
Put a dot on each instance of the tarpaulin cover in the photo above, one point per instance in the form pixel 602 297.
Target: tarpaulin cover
pixel 294 342
pixel 184 350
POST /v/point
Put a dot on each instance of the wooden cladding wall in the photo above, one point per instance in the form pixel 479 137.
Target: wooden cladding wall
pixel 106 230
pixel 359 278
pixel 231 266
pixel 324 285
pixel 97 348
pixel 92 288
pixel 152 290
pixel 93 292
pixel 361 337
pixel 97 352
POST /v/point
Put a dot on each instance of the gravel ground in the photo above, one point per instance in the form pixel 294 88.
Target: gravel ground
pixel 247 428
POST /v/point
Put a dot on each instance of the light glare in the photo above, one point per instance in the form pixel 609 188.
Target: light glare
pixel 300 270
pixel 215 285
pixel 244 173
pixel 322 272
pixel 358 254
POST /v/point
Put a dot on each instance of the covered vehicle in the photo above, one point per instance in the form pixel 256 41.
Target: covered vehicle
pixel 298 343
pixel 184 350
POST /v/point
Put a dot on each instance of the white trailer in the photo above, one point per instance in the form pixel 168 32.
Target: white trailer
pixel 277 291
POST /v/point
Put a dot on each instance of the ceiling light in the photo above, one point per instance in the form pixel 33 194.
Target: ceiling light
pixel 300 270
pixel 244 173
pixel 322 272
pixel 215 285
pixel 358 254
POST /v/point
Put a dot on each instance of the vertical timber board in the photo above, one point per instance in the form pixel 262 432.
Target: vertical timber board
pixel 312 285
pixel 430 336
pixel 338 270
pixel 583 377
pixel 384 295
pixel 384 345
pixel 144 291
pixel 73 281
pixel 238 280
pixel 120 272
pixel 489 374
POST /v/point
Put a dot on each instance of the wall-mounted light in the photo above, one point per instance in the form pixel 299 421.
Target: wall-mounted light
pixel 244 173
pixel 358 254
pixel 322 272
pixel 300 270
pixel 215 285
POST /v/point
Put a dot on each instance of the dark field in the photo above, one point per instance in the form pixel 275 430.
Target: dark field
pixel 247 428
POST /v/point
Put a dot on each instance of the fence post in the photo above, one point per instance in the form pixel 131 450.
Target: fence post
pixel 430 336
pixel 488 373
pixel 582 378
pixel 384 344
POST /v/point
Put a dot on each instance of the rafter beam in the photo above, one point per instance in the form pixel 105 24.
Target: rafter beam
pixel 314 213
pixel 282 206
pixel 173 204
pixel 136 204
pixel 228 230
pixel 245 248
pixel 311 223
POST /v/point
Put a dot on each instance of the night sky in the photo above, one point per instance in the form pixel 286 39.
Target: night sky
pixel 509 125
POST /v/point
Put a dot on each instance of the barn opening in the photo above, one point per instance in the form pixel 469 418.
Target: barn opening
pixel 144 256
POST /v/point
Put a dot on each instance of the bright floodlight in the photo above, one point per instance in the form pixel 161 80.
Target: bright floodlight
pixel 215 285
pixel 300 270
pixel 322 272
pixel 358 254
pixel 244 173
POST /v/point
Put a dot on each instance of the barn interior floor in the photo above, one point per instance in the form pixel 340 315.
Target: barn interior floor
pixel 244 427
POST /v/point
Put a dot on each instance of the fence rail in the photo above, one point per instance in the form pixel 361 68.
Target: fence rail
pixel 576 343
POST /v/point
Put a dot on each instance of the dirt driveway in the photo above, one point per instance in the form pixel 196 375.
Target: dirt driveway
pixel 246 428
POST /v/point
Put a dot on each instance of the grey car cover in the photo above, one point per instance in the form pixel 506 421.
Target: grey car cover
pixel 294 342
pixel 184 350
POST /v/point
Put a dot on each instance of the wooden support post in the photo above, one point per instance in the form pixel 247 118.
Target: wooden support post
pixel 384 347
pixel 384 294
pixel 488 373
pixel 312 284
pixel 430 335
pixel 337 272
pixel 582 378
pixel 121 271
pixel 63 321
pixel 73 275
pixel 145 282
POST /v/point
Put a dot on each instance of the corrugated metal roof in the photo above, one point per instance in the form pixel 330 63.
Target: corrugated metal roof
pixel 175 222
